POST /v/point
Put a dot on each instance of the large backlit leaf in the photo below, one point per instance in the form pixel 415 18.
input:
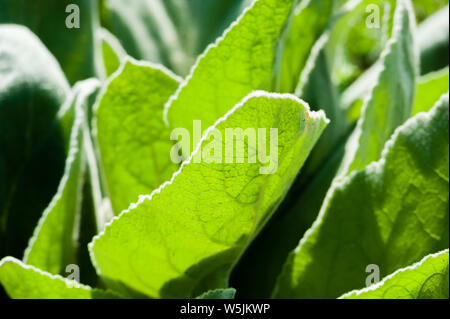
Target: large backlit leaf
pixel 391 214
pixel 185 237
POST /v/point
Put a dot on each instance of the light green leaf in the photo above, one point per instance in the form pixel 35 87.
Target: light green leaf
pixel 54 243
pixel 171 32
pixel 133 140
pixel 431 87
pixel 391 214
pixel 187 235
pixel 76 49
pixel 27 282
pixel 113 53
pixel 32 141
pixel 427 279
pixel 218 294
pixel 241 61
pixel 391 100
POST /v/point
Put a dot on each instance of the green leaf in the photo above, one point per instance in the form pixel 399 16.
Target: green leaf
pixel 391 214
pixel 113 53
pixel 391 100
pixel 427 279
pixel 76 49
pixel 228 293
pixel 187 235
pixel 433 39
pixel 54 243
pixel 170 32
pixel 27 282
pixel 32 141
pixel 133 140
pixel 241 61
pixel 431 87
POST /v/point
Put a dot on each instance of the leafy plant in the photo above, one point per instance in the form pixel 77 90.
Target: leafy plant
pixel 92 177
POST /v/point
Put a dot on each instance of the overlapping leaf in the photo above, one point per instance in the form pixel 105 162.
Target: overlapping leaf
pixel 185 237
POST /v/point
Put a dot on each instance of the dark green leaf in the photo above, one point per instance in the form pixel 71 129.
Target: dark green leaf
pixel 32 139
pixel 76 49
